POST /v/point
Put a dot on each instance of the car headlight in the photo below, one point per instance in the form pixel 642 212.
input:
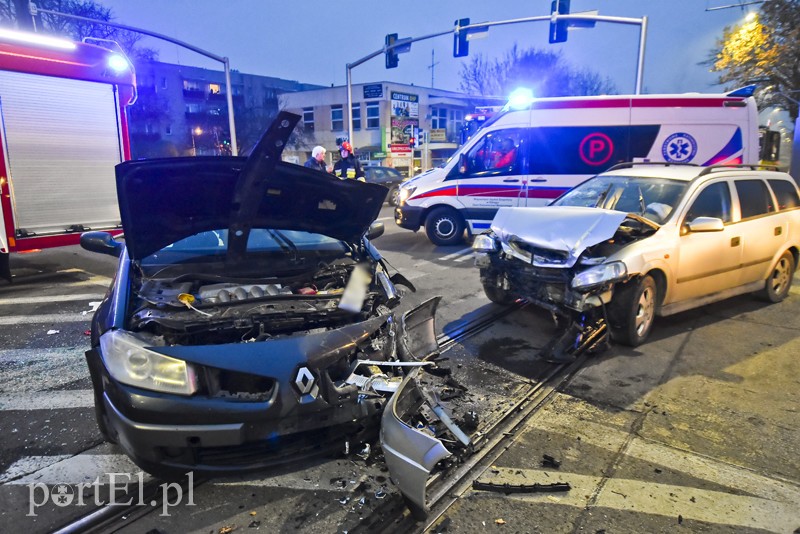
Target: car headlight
pixel 600 274
pixel 130 362
pixel 484 243
pixel 406 192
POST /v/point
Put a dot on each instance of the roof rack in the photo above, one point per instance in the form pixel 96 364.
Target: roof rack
pixel 749 166
pixel 629 164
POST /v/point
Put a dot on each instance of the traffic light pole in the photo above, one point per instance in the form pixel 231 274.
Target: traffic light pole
pixel 483 26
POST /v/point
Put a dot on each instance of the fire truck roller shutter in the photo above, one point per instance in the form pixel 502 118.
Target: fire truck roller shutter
pixel 61 142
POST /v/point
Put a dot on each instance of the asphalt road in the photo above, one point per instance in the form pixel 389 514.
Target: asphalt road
pixel 697 429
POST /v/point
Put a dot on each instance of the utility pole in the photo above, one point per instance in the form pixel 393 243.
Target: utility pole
pixel 433 66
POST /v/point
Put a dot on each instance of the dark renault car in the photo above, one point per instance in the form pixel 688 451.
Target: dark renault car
pixel 251 321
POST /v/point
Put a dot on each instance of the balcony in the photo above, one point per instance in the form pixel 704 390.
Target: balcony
pixel 194 94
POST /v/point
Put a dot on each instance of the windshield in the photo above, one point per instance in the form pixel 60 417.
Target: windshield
pixel 652 198
pixel 212 246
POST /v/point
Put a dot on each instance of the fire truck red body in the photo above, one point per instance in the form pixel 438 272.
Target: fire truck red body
pixel 64 128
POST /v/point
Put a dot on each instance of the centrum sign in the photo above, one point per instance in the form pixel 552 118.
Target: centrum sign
pixel 405 117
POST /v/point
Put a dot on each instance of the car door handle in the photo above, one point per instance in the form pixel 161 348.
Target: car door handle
pixel 537 180
pixel 735 241
pixel 511 180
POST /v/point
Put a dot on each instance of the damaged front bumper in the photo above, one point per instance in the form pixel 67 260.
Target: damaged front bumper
pixel 414 419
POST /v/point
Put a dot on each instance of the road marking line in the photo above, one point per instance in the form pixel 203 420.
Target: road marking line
pixel 465 257
pixel 54 298
pixel 45 318
pixel 455 254
pixel 83 468
pixel 720 507
pixel 47 400
pixel 27 465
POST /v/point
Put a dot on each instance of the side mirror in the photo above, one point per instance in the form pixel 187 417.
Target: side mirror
pixel 706 224
pixel 101 242
pixel 376 230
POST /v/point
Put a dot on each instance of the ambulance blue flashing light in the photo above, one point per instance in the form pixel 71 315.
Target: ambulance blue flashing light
pixel 118 63
pixel 745 91
pixel 520 98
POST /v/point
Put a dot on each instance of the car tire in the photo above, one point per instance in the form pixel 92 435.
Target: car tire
pixel 632 311
pixel 493 292
pixel 393 198
pixel 444 226
pixel 779 281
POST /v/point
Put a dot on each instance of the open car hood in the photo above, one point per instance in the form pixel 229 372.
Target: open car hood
pixel 164 200
pixel 564 228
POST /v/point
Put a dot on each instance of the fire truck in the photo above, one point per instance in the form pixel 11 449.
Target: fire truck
pixel 64 128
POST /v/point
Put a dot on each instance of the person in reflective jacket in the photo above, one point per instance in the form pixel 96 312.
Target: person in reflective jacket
pixel 348 166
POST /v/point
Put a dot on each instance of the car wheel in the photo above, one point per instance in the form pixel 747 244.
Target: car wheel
pixel 444 226
pixel 779 280
pixel 393 198
pixel 632 311
pixel 495 293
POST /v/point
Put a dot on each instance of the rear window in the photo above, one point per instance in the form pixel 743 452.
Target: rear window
pixel 786 193
pixel 754 198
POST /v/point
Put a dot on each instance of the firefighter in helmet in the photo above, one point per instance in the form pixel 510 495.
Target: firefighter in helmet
pixel 348 166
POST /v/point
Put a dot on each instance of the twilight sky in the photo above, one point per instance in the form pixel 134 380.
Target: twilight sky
pixel 312 40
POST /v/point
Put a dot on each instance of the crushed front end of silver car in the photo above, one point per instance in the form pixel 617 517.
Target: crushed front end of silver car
pixel 561 259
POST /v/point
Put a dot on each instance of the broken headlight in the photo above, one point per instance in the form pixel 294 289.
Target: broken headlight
pixel 484 243
pixel 599 275
pixel 130 362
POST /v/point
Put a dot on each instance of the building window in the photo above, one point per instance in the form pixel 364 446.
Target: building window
pixel 456 123
pixel 438 118
pixel 214 88
pixel 337 118
pixel 163 83
pixel 356 116
pixel 168 129
pixel 373 115
pixel 308 119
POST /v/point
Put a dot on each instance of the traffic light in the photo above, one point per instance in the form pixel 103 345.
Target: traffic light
pixel 460 42
pixel 413 140
pixel 391 54
pixel 558 29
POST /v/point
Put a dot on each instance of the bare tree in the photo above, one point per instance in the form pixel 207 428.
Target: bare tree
pixel 546 73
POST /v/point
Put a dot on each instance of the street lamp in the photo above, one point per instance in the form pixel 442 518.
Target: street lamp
pixel 197 131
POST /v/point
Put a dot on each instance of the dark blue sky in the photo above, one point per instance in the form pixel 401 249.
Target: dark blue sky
pixel 312 40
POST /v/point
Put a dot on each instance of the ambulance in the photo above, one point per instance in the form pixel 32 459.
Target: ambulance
pixel 536 149
pixel 63 111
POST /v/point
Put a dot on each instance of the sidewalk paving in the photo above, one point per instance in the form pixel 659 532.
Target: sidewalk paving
pixel 696 431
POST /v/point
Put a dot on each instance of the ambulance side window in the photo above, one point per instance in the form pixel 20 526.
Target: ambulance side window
pixel 497 153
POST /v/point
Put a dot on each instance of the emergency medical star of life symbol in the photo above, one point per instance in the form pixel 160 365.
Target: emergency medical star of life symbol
pixel 679 147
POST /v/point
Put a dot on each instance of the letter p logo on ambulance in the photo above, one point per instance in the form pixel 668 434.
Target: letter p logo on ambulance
pixel 596 149
pixel 679 147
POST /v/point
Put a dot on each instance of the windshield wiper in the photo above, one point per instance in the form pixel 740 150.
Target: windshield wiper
pixel 641 201
pixel 602 198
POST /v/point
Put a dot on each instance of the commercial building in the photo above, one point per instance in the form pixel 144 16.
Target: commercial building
pixel 385 117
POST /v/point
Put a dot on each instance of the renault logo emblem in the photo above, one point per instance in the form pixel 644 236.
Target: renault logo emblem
pixel 305 382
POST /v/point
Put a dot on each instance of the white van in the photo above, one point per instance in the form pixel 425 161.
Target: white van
pixel 530 156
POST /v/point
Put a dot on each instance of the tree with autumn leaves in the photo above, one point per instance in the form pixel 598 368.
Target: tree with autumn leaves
pixel 766 51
